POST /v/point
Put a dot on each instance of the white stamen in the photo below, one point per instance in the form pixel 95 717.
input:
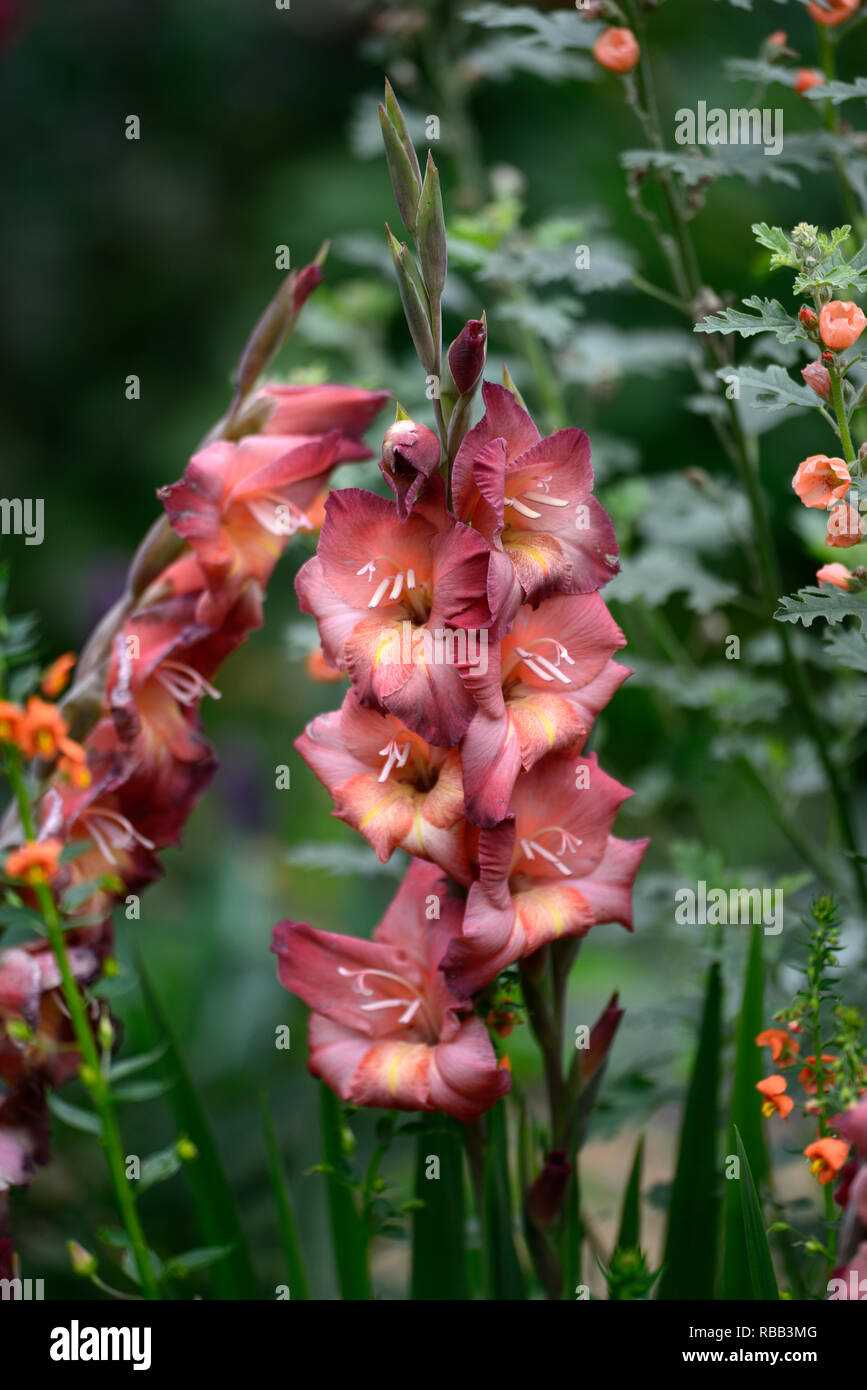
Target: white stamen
pixel 410 1006
pixel 184 683
pixel 378 593
pixel 276 515
pixel 396 755
pixel 410 579
pixel 519 507
pixel 369 569
pixel 111 831
pixel 568 844
pixel 527 658
pixel 545 500
pixel 549 666
pixel 396 588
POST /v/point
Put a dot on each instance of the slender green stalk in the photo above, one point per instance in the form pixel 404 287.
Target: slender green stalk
pixel 840 413
pixel 743 454
pixel 832 124
pixel 92 1073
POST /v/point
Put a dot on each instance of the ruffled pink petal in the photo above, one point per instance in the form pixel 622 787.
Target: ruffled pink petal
pixel 465 1078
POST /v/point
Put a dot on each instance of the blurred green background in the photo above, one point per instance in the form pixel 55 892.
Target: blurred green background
pixel 154 257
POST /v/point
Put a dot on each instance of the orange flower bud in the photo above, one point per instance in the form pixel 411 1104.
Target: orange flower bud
pixel 844 526
pixel 54 679
pixel 777 39
pixel 835 13
pixel 35 862
pixel 617 50
pixel 818 378
pixel 776 1101
pixel 821 480
pixel 835 574
pixel 807 1074
pixel 841 324
pixel 808 317
pixel 806 78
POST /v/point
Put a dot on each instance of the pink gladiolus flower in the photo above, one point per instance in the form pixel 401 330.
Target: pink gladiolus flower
pixel 24 1134
pixel 552 870
pixel 410 455
pixel 835 574
pixel 308 410
pixel 542 689
pixel 389 599
pixel 852 1124
pixel 821 480
pixel 238 504
pixel 386 1030
pixel 390 785
pixel 532 497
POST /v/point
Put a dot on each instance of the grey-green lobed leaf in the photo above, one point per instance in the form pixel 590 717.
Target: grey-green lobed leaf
pixel 833 605
pixel 769 316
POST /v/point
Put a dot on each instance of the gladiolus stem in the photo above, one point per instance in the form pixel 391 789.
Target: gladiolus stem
pixel 93 1075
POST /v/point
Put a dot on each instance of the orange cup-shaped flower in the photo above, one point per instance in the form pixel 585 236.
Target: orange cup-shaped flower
pixel 844 526
pixel 806 78
pixel 821 480
pixel 11 719
pixel 827 1157
pixel 776 1102
pixel 617 50
pixel 35 862
pixel 42 729
pixel 784 1048
pixel 55 678
pixel 841 324
pixel 833 11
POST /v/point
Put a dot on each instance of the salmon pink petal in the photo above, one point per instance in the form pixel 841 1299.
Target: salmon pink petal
pixel 608 889
pixel 465 1078
pixel 324 969
pixel 363 548
pixel 335 618
pixel 491 761
pixel 317 409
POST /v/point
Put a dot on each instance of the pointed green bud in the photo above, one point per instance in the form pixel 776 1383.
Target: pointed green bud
pixel 83 1263
pixel 400 413
pixel 395 115
pixel 404 182
pixel 510 386
pixel 414 304
pixel 431 235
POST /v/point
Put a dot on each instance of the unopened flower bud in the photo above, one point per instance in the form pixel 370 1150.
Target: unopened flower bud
pixel 777 39
pixel 186 1150
pixel 818 379
pixel 410 455
pixel 617 50
pixel 413 301
pixel 545 1198
pixel 401 159
pixel 467 355
pixel 105 1033
pixel 835 574
pixel 432 246
pixel 809 318
pixel 83 1263
pixel 807 78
